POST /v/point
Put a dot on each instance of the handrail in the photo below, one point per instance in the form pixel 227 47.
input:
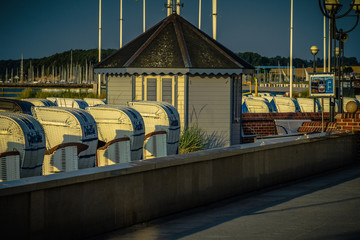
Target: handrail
pixel 80 147
pixel 9 153
pixel 244 83
pixel 123 139
pixel 153 134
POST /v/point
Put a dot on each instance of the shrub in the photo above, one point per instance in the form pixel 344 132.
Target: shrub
pixel 305 93
pixel 192 139
pixel 27 93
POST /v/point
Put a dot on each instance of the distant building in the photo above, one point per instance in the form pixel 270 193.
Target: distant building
pixel 177 63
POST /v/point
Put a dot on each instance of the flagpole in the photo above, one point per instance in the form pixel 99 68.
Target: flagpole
pixel 178 7
pixel 121 24
pixel 99 77
pixel 169 10
pixel 144 16
pixel 199 14
pixel 324 44
pixel 214 18
pixel 291 47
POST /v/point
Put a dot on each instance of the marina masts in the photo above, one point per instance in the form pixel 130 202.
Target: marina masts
pixel 22 69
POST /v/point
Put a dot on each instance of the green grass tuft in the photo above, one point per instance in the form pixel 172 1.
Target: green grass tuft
pixel 192 139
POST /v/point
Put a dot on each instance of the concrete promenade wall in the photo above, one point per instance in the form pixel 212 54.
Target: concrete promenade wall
pixel 87 202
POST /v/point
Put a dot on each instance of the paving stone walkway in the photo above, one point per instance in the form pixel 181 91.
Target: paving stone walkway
pixel 326 206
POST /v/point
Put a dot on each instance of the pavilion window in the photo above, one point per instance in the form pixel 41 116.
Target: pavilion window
pixel 167 90
pixel 162 89
pixel 151 89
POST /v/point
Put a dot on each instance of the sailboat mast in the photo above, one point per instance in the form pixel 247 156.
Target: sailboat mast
pixel 22 69
pixel 71 67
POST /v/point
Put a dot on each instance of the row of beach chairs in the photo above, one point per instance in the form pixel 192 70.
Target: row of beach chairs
pixel 51 139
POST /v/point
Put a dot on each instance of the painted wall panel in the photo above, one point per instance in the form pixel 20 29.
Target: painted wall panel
pixel 119 90
pixel 209 105
pixel 180 99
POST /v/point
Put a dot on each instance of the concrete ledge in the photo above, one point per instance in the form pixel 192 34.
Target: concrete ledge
pixel 87 202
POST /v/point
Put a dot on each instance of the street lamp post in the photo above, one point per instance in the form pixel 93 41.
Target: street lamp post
pixel 338 74
pixel 340 55
pixel 314 50
pixel 331 9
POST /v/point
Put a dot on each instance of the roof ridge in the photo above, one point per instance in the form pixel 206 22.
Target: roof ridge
pixel 182 44
pixel 212 42
pixel 127 44
pixel 173 44
pixel 165 22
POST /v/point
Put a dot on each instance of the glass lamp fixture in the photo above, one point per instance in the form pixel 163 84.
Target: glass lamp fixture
pixel 333 6
pixel 337 51
pixel 314 50
pixel 356 6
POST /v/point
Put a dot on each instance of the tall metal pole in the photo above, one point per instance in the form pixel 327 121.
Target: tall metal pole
pixel 169 9
pixel 342 53
pixel 178 7
pixel 338 72
pixel 314 69
pixel 99 30
pixel 332 36
pixel 324 44
pixel 214 17
pixel 121 24
pixel 143 15
pixel 291 47
pixel 322 99
pixel 329 47
pixel 199 14
pixel 99 77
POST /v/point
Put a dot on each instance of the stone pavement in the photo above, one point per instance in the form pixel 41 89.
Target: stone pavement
pixel 326 206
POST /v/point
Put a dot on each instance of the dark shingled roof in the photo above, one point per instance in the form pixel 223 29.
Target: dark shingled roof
pixel 175 45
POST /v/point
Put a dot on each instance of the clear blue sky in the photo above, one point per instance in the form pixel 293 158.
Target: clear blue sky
pixel 40 28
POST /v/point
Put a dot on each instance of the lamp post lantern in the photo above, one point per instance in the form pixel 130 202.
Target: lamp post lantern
pixel 332 10
pixel 337 51
pixel 314 50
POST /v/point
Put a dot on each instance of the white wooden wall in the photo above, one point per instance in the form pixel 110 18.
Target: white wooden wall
pixel 119 90
pixel 209 105
pixel 181 99
pixel 209 99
